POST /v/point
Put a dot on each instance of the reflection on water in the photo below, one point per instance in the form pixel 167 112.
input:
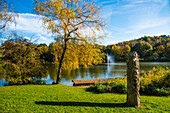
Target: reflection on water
pixel 104 70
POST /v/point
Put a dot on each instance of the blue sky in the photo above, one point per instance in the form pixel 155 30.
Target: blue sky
pixel 127 19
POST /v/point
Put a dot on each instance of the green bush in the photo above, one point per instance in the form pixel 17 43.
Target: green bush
pixel 113 87
pixel 163 91
pixel 156 82
pixel 40 82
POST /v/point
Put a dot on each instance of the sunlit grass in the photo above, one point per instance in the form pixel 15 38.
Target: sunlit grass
pixel 61 98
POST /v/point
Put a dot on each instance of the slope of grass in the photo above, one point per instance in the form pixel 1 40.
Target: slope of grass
pixel 61 98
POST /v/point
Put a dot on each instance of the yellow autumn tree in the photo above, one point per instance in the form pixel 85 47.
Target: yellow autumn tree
pixel 89 55
pixel 68 18
pixel 126 49
pixel 77 54
pixel 160 49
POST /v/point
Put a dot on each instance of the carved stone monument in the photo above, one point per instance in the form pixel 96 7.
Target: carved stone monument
pixel 133 96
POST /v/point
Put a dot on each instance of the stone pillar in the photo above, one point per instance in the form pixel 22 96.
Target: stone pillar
pixel 133 96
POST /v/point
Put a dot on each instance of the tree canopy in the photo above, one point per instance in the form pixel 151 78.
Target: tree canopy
pixel 22 59
pixel 67 19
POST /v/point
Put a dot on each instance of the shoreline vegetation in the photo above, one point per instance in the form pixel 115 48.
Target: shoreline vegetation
pixel 154 82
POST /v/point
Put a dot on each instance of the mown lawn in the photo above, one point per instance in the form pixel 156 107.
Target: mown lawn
pixel 61 98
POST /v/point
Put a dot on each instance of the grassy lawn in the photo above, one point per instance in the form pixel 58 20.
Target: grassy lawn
pixel 61 98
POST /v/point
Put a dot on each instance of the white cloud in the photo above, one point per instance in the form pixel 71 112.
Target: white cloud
pixel 112 42
pixel 149 23
pixel 3 39
pixel 29 23
pixel 145 15
pixel 44 38
pixel 109 14
pixel 130 5
pixel 107 2
pixel 27 37
pixel 32 24
pixel 140 1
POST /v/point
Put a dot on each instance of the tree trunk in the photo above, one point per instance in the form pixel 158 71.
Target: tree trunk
pixel 58 81
pixel 133 96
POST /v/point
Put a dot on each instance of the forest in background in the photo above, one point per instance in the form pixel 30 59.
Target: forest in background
pixel 156 48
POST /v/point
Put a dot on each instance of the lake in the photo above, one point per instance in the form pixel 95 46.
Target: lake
pixel 105 70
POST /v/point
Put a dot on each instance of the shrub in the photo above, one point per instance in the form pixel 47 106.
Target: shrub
pixel 163 91
pixel 155 82
pixel 40 82
pixel 118 86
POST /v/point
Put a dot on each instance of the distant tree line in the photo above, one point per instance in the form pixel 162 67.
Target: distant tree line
pixel 149 48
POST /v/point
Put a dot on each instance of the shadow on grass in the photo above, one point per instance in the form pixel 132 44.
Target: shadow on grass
pixel 89 104
pixel 97 92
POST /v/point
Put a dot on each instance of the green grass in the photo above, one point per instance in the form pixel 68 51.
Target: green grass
pixel 61 98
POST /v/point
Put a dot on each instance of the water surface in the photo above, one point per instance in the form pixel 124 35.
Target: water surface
pixel 105 70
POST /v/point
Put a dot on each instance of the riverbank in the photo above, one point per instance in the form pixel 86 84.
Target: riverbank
pixel 61 98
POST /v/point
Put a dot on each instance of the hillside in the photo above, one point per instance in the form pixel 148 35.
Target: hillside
pixel 149 48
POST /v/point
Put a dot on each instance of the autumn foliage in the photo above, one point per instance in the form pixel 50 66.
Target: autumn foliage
pixel 149 48
pixel 67 19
